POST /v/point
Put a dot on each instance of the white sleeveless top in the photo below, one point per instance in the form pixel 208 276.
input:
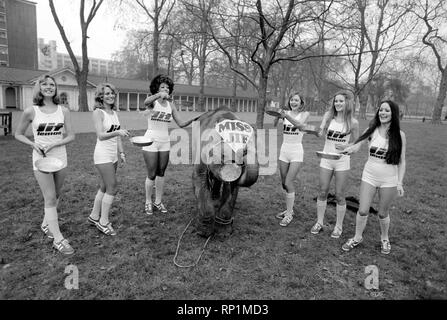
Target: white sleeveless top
pixel 158 122
pixel 378 147
pixel 376 164
pixel 291 134
pixel 48 129
pixel 106 150
pixel 336 134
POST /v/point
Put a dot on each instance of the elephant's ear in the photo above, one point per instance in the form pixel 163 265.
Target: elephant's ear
pixel 250 170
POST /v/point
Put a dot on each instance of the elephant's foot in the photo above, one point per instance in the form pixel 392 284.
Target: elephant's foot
pixel 204 227
pixel 223 227
pixel 224 231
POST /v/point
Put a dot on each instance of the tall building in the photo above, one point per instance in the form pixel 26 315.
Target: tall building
pixel 47 55
pixel 18 34
pixel 50 59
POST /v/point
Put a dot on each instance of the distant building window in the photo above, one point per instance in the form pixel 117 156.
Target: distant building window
pixel 2 17
pixel 3 63
pixel 2 4
pixel 3 34
pixel 3 50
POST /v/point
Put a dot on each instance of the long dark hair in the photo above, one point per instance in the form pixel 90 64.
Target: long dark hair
pixel 38 96
pixel 393 133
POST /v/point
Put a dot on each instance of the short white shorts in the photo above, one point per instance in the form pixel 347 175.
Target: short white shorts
pixel 157 146
pixel 100 158
pixel 380 176
pixel 342 164
pixel 291 153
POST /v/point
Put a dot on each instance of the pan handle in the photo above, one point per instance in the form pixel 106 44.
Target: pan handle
pixel 196 118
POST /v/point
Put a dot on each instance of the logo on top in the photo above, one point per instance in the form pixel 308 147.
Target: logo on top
pixel 161 116
pixel 290 129
pixel 235 133
pixel 336 135
pixel 379 153
pixel 114 127
pixel 50 129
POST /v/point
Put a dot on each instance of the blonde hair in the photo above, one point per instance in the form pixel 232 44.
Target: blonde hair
pixel 37 94
pixel 348 113
pixel 99 95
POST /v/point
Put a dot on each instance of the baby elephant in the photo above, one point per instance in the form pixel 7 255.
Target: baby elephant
pixel 227 150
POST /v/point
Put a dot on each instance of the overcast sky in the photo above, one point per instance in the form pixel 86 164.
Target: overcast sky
pixel 104 37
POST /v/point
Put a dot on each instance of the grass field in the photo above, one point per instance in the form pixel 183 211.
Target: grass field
pixel 260 260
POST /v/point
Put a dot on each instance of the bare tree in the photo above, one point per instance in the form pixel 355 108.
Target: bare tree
pixel 158 12
pixel 390 25
pixel 434 16
pixel 274 21
pixel 80 72
pixel 135 55
pixel 185 33
pixel 200 11
pixel 377 31
pixel 320 66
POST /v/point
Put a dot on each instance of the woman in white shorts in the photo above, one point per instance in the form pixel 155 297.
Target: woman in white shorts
pixel 338 127
pixel 160 112
pixel 52 130
pixel 291 154
pixel 105 156
pixel 383 172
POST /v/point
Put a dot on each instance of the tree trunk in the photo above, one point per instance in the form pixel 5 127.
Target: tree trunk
pixel 155 48
pixel 170 71
pixel 233 106
pixel 362 111
pixel 82 84
pixel 286 80
pixel 370 106
pixel 190 70
pixel 233 95
pixel 202 83
pixel 356 103
pixel 437 109
pixel 262 100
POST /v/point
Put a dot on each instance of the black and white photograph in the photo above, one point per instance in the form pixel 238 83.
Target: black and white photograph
pixel 230 153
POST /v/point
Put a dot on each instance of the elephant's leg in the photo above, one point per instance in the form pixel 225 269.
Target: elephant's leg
pixel 215 189
pixel 224 221
pixel 235 191
pixel 206 205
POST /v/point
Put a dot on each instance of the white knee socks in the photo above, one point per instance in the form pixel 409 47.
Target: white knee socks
pixel 159 184
pixel 384 227
pixel 53 224
pixel 360 224
pixel 290 200
pixel 321 209
pixel 96 211
pixel 44 222
pixel 149 185
pixel 106 203
pixel 341 210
